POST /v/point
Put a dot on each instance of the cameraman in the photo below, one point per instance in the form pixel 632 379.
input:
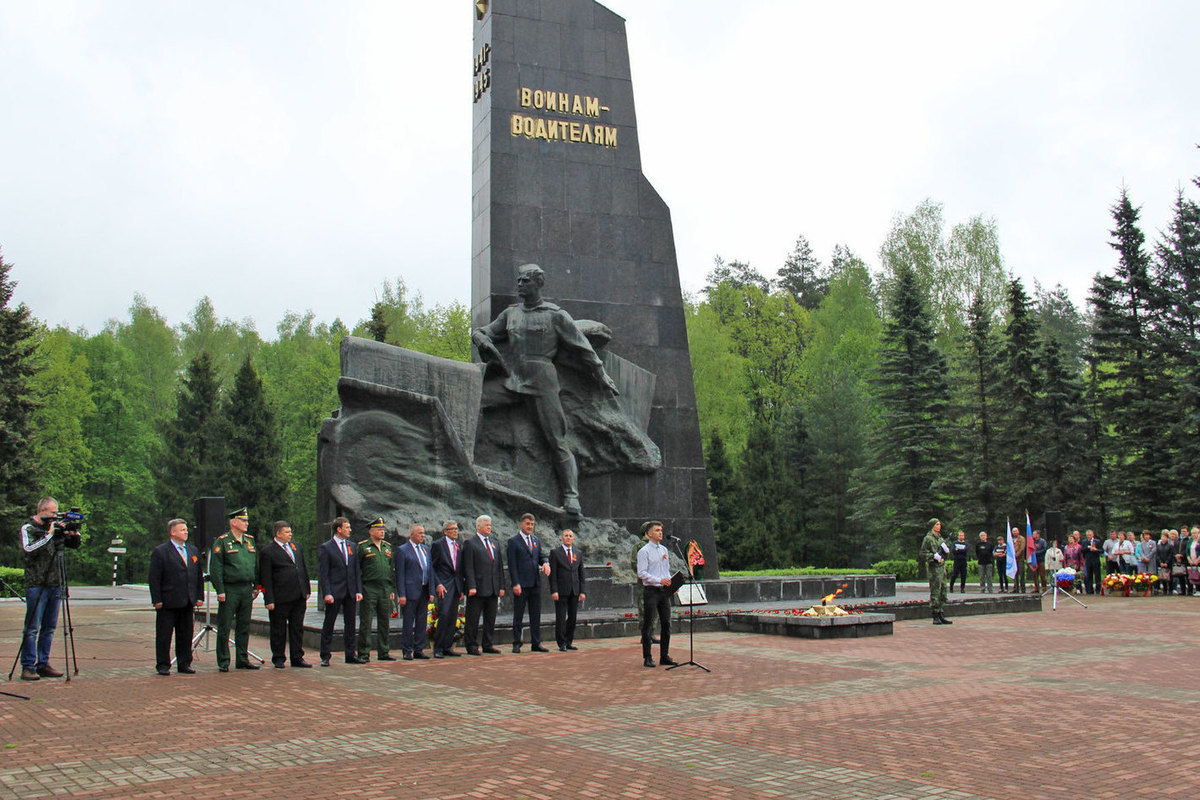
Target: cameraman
pixel 43 539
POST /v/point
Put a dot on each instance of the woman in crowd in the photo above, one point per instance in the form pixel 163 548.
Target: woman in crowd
pixel 1165 555
pixel 1192 551
pixel 1000 558
pixel 1147 554
pixel 1126 550
pixel 1054 560
pixel 1073 552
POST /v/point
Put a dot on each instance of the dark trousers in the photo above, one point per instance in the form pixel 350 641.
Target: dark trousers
pixel 564 618
pixel 348 607
pixel 233 614
pixel 1002 575
pixel 658 601
pixel 447 622
pixel 1018 582
pixel 177 622
pixel 959 574
pixel 1091 576
pixel 287 628
pixel 529 598
pixel 415 621
pixel 477 605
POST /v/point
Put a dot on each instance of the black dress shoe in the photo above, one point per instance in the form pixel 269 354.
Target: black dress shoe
pixel 649 662
pixel 278 664
pixel 516 647
pixel 562 648
pixel 471 651
pixel 302 664
pixel 419 655
pixel 667 661
pixel 452 653
pixel 224 668
pixel 407 656
pixel 572 647
pixel 324 662
pixel 186 671
pixel 437 654
pixel 248 666
pixel 386 658
pixel 162 671
pixel 491 651
pixel 537 648
pixel 355 660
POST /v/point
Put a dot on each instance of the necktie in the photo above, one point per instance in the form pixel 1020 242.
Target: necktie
pixel 421 560
pixel 182 552
pixel 488 544
pixel 529 543
pixel 570 556
pixel 287 548
pixel 454 554
pixel 345 555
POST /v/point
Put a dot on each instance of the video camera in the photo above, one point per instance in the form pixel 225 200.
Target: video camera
pixel 70 521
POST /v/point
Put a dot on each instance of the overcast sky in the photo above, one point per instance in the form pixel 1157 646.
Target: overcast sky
pixel 290 155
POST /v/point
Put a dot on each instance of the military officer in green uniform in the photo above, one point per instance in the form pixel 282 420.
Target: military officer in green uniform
pixel 233 570
pixel 378 565
pixel 933 552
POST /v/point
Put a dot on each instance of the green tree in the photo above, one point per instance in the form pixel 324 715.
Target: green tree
pixel 839 358
pixel 720 377
pixel 253 470
pixel 722 497
pixel 1059 462
pixel 155 348
pixel 803 276
pixel 904 483
pixel 192 462
pixel 18 472
pixel 763 501
pixel 123 441
pixel 300 371
pixel 1018 434
pixel 226 342
pixel 62 389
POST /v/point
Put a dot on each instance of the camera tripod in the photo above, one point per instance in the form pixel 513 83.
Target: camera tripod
pixel 64 602
pixel 208 629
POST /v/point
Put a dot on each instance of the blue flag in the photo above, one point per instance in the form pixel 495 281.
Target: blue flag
pixel 1010 558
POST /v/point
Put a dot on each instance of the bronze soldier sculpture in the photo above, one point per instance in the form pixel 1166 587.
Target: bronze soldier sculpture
pixel 535 330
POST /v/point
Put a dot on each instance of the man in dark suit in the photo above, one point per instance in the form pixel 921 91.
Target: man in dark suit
pixel 446 555
pixel 339 584
pixel 483 573
pixel 414 574
pixel 526 565
pixel 1093 549
pixel 285 592
pixel 566 589
pixel 176 588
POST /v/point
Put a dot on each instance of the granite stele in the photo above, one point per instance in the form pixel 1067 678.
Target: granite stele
pixel 581 406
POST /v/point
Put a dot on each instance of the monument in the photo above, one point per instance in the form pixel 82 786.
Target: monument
pixel 581 408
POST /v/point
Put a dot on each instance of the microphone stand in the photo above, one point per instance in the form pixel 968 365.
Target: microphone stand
pixel 691 662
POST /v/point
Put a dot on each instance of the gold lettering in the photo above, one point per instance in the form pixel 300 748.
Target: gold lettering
pixel 552 128
pixel 593 106
pixel 539 98
pixel 514 124
pixel 564 102
pixel 610 137
pixel 587 134
pixel 539 130
pixel 527 127
pixel 526 97
pixel 552 101
pixel 577 107
pixel 575 130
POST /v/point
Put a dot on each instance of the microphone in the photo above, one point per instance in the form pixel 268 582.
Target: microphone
pixel 673 538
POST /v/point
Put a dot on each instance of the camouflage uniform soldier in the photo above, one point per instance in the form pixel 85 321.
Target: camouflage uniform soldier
pixel 233 571
pixel 933 552
pixel 378 565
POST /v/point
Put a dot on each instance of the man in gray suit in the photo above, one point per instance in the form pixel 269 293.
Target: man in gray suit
pixel 483 573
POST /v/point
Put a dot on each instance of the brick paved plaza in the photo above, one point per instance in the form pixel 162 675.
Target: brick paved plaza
pixel 1097 703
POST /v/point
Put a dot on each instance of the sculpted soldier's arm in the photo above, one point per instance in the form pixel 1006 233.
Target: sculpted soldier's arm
pixel 570 336
pixel 485 338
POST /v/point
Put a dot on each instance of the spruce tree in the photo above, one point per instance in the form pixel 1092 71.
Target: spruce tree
pixel 977 410
pixel 721 499
pixel 193 462
pixel 18 473
pixel 1059 463
pixel 251 465
pixel 905 483
pixel 762 496
pixel 802 275
pixel 1018 437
